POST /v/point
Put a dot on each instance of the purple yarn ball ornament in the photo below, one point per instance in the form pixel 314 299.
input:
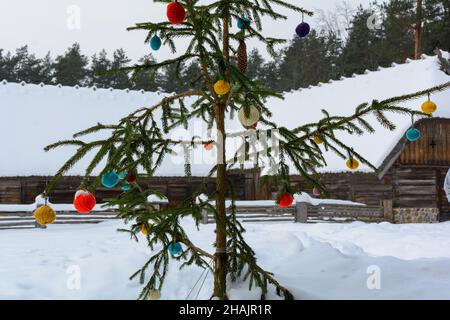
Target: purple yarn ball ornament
pixel 302 29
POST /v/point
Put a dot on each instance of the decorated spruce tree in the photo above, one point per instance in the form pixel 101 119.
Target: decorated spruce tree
pixel 216 34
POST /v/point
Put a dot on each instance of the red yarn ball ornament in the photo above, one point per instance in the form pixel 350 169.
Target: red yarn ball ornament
pixel 285 200
pixel 175 12
pixel 255 125
pixel 84 201
pixel 131 177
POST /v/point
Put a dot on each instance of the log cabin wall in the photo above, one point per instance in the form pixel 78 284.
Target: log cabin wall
pixel 433 147
pixel 23 190
pixel 359 187
pixel 420 169
pixel 415 187
pixel 415 179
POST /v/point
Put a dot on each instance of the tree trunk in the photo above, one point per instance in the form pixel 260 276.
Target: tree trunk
pixel 220 266
pixel 418 27
pixel 221 257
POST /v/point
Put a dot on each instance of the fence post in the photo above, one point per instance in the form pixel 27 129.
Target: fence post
pixel 301 212
pixel 204 216
pixel 387 210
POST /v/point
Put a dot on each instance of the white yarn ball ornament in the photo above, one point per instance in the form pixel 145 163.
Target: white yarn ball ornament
pixel 252 118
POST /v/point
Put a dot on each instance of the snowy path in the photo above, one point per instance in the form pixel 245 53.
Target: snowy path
pixel 322 261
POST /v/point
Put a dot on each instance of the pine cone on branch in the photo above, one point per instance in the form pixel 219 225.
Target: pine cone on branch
pixel 242 56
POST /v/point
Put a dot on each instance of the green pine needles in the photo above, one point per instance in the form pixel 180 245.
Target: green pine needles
pixel 140 143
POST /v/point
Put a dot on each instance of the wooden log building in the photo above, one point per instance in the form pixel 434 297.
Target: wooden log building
pixel 412 176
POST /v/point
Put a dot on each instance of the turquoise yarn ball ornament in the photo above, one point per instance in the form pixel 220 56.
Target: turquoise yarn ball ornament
pixel 243 23
pixel 125 186
pixel 155 43
pixel 123 175
pixel 110 179
pixel 175 248
pixel 413 134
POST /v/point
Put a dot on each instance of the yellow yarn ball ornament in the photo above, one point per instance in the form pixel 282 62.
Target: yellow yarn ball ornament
pixel 429 107
pixel 221 87
pixel 317 140
pixel 251 119
pixel 154 295
pixel 44 215
pixel 352 164
pixel 145 230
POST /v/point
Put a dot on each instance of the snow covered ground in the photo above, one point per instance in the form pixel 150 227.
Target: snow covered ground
pixel 324 261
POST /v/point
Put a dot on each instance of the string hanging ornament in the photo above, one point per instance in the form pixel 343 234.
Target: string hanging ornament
pixel 429 107
pixel 352 163
pixel 45 215
pixel 175 248
pixel 155 43
pixel 317 139
pixel 285 200
pixel 145 228
pixel 243 23
pixel 221 87
pixel 303 28
pixel 413 134
pixel 110 179
pixel 84 201
pixel 208 146
pixel 248 120
pixel 175 12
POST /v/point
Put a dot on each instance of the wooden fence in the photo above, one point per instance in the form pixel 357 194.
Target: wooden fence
pixel 23 218
pixel 246 211
pixel 303 212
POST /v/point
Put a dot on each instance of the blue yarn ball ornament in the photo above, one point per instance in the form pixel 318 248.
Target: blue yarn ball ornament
pixel 413 134
pixel 125 186
pixel 302 29
pixel 155 43
pixel 123 175
pixel 110 179
pixel 243 23
pixel 175 248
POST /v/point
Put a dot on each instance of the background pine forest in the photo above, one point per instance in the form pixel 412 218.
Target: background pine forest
pixel 340 45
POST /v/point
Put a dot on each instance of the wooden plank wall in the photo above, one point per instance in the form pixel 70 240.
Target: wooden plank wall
pixel 23 190
pixel 408 186
pixel 415 187
pixel 433 148
pixel 359 187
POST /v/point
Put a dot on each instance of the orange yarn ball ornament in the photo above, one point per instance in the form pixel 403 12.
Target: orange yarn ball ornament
pixel 44 215
pixel 352 164
pixel 429 107
pixel 317 140
pixel 209 146
pixel 222 87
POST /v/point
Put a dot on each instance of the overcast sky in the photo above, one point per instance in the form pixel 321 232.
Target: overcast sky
pixel 52 25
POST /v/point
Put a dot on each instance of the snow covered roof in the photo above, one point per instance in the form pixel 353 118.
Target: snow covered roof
pixel 343 96
pixel 33 116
